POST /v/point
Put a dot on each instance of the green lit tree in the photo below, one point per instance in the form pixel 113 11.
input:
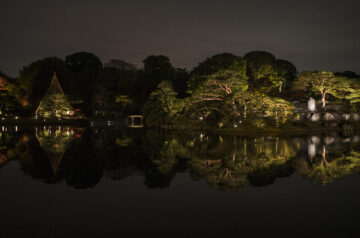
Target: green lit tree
pixel 33 80
pixel 162 106
pixel 323 83
pixel 55 102
pixel 266 72
pixel 277 109
pixel 216 82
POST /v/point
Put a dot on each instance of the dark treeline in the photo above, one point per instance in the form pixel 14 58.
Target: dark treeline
pixel 223 90
pixel 111 89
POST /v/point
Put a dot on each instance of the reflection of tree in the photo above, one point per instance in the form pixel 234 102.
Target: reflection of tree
pixel 327 168
pixel 243 161
pixel 164 153
pixel 117 152
pixel 226 162
pixel 32 159
pixel 7 147
pixel 40 157
pixel 55 143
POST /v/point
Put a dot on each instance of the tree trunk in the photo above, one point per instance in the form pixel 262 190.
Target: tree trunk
pixel 244 112
pixel 324 162
pixel 245 149
pixel 280 86
pixel 323 100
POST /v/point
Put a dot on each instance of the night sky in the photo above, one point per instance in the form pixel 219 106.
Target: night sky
pixel 322 35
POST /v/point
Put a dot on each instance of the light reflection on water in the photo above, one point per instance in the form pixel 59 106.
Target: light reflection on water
pixel 107 182
pixel 82 157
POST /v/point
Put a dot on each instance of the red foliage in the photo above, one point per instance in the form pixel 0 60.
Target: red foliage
pixel 3 84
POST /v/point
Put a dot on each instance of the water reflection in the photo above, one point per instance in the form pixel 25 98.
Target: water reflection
pixel 82 157
pixel 55 141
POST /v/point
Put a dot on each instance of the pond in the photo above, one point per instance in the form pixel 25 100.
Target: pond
pixel 58 181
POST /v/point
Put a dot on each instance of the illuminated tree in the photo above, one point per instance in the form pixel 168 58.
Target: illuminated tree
pixel 3 84
pixel 277 109
pixel 8 102
pixel 212 66
pixel 162 105
pixel 54 103
pixel 34 79
pixel 267 72
pixel 215 83
pixel 323 83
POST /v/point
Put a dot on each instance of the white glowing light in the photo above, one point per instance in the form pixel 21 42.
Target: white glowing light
pixel 311 104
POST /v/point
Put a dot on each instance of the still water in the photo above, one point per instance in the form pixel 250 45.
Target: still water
pixel 108 182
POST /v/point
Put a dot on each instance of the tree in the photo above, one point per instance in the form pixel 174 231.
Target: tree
pixel 54 103
pixel 261 68
pixel 215 84
pixel 277 109
pixel 286 72
pixel 210 66
pixel 124 101
pixel 3 84
pixel 180 82
pixel 156 69
pixel 162 105
pixel 348 89
pixel 34 79
pixel 83 79
pixel 266 72
pixel 118 64
pixel 7 102
pixel 320 82
pixel 83 62
pixel 348 74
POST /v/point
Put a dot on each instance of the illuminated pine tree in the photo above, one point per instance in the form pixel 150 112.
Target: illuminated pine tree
pixel 55 102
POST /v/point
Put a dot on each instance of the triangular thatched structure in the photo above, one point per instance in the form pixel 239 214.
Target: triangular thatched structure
pixel 55 102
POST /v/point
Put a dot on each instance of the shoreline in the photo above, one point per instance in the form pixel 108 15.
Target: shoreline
pixel 297 128
pixel 40 122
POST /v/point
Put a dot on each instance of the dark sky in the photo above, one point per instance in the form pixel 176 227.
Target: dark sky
pixel 317 34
